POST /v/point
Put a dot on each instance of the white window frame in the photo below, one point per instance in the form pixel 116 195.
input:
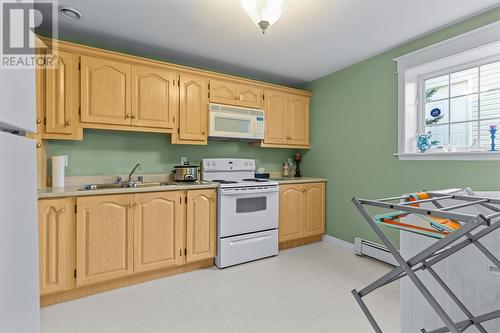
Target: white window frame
pixel 475 48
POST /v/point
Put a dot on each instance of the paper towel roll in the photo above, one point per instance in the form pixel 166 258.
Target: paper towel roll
pixel 58 164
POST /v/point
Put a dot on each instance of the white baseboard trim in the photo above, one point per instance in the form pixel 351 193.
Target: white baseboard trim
pixel 340 243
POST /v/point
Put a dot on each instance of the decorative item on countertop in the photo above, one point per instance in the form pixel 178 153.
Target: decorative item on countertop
pixel 424 141
pixel 292 167
pixel 285 170
pixel 298 158
pixel 493 131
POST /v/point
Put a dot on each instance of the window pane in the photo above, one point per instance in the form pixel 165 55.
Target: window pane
pixel 490 76
pixel 463 108
pixel 485 139
pixel 436 112
pixel 463 134
pixel 439 135
pixel 490 104
pixel 464 82
pixel 436 88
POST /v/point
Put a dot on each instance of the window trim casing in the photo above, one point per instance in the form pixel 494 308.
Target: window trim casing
pixel 446 71
pixel 485 40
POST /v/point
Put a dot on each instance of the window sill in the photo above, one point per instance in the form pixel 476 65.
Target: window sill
pixel 455 156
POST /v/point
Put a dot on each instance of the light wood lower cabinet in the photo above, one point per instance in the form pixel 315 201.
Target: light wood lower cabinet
pixel 56 244
pixel 104 238
pixel 119 235
pixel 302 211
pixel 200 223
pixel 158 230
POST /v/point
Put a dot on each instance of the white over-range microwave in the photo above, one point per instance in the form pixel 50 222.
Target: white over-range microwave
pixel 236 122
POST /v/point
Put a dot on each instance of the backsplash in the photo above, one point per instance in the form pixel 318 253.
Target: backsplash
pixel 115 152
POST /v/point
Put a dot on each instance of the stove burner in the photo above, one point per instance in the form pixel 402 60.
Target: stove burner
pixel 257 180
pixel 221 181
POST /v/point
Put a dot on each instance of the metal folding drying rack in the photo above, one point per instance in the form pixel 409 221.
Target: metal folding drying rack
pixel 438 251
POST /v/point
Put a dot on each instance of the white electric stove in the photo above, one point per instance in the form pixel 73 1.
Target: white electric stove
pixel 247 214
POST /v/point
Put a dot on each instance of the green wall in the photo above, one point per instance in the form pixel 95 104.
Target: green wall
pixel 115 152
pixel 354 137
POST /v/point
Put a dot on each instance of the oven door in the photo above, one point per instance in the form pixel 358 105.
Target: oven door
pixel 247 209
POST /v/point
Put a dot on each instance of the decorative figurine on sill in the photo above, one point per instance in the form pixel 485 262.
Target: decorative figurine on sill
pixel 424 142
pixel 298 158
pixel 493 131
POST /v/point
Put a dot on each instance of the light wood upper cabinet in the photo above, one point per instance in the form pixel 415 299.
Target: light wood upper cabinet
pixel 287 119
pixel 54 241
pixel 223 92
pixel 232 93
pixel 291 217
pixel 193 110
pixel 276 111
pixel 314 209
pixel 105 91
pixel 302 211
pixel 200 225
pixel 155 97
pixel 158 230
pixel 298 114
pixel 62 103
pixel 104 238
pixel 250 96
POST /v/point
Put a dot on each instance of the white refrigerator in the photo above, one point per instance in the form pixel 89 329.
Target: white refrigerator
pixel 19 286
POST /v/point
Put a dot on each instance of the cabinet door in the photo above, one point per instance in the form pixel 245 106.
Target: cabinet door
pixel 193 111
pixel 200 222
pixel 291 218
pixel 158 226
pixel 105 91
pixel 154 97
pixel 250 96
pixel 223 92
pixel 314 209
pixel 298 119
pixel 276 110
pixel 104 238
pixel 53 238
pixel 61 104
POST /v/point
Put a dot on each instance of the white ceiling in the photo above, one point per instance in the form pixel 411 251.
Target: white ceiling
pixel 313 37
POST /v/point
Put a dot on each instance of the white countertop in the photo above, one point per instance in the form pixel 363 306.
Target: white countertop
pixel 75 190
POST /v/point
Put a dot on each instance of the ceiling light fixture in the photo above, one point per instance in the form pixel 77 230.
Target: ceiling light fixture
pixel 70 12
pixel 264 13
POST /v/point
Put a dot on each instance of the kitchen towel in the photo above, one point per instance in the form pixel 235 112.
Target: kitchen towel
pixel 58 165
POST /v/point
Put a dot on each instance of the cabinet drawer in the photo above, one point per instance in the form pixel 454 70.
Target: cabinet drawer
pixel 248 247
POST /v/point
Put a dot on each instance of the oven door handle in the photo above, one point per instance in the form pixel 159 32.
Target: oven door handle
pixel 249 192
pixel 251 239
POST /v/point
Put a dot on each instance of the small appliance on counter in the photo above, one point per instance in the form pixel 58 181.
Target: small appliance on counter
pixel 186 172
pixel 247 212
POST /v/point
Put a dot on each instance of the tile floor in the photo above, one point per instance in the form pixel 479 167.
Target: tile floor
pixel 305 289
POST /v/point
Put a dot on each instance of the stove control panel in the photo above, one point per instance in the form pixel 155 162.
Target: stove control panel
pixel 228 164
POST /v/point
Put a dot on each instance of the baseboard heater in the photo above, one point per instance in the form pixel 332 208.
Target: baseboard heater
pixel 374 250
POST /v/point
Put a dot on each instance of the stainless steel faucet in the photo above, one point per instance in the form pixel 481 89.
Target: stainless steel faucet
pixel 137 166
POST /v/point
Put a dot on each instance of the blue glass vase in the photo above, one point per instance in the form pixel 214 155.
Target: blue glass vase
pixel 493 131
pixel 424 142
